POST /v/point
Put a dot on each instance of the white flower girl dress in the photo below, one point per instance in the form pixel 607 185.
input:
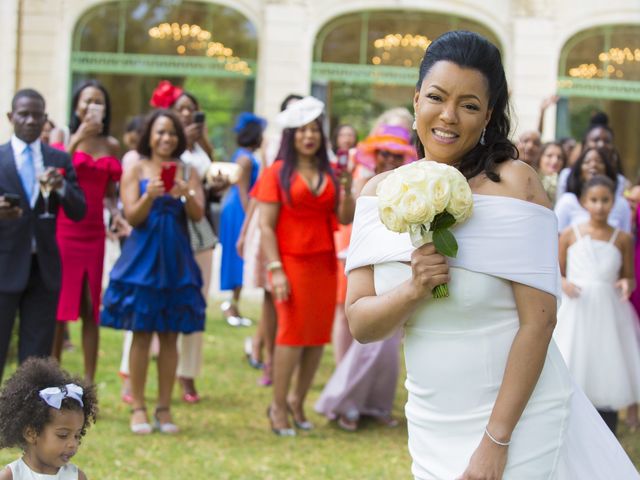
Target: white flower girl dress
pixel 597 332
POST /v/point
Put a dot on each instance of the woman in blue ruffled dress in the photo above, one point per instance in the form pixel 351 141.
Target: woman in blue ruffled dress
pixel 248 129
pixel 155 285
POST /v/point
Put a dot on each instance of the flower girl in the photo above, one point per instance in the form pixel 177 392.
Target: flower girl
pixel 46 412
pixel 597 330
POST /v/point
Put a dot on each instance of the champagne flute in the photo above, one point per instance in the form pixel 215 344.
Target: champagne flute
pixel 45 189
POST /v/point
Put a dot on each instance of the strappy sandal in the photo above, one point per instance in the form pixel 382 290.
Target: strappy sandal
pixel 142 428
pixel 281 432
pixel 305 425
pixel 347 424
pixel 166 428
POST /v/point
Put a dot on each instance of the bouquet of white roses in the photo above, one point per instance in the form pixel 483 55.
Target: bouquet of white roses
pixel 425 199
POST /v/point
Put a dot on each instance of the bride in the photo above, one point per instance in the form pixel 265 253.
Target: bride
pixel 489 394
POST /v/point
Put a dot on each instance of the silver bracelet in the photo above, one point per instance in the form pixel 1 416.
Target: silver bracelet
pixel 497 442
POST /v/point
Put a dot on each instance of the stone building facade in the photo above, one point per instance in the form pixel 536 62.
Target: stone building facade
pixel 327 47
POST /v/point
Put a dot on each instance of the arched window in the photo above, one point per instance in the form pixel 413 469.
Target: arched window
pixel 367 62
pixel 599 70
pixel 209 49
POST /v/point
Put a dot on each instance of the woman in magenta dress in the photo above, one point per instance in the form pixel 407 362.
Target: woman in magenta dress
pixel 95 158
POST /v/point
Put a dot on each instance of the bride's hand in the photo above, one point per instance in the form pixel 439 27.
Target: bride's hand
pixel 487 462
pixel 429 269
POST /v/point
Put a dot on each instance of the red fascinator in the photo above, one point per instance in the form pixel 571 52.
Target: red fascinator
pixel 165 95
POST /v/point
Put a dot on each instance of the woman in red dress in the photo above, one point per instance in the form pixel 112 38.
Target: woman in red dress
pixel 299 199
pixel 95 158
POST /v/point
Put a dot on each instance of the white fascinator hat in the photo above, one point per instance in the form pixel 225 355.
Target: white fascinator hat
pixel 300 113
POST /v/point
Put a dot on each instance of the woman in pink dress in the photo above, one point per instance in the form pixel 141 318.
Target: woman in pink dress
pixel 365 379
pixel 95 158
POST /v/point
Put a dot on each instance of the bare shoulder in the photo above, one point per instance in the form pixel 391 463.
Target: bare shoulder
pixel 624 239
pixel 81 475
pixel 5 474
pixel 244 161
pixel 370 187
pixel 132 169
pixel 567 236
pixel 519 180
pixel 114 146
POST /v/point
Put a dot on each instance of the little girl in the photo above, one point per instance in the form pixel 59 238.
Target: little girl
pixel 46 412
pixel 597 330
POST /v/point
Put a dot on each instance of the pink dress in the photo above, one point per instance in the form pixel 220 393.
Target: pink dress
pixel 82 243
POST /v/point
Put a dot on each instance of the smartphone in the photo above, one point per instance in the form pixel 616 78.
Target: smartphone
pixel 168 174
pixel 95 112
pixel 12 199
pixel 198 117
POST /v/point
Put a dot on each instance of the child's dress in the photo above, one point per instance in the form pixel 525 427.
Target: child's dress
pixel 597 332
pixel 21 471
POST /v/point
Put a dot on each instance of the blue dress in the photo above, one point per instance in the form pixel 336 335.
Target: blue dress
pixel 231 221
pixel 155 284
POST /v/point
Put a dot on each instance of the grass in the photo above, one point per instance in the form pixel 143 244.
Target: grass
pixel 226 436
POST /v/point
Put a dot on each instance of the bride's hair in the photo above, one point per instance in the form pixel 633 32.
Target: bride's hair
pixel 470 50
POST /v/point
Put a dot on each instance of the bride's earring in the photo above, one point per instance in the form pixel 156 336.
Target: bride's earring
pixel 482 140
pixel 414 125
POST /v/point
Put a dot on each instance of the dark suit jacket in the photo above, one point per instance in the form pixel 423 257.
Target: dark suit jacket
pixel 16 235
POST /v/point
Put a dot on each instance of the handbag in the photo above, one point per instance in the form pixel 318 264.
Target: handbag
pixel 201 235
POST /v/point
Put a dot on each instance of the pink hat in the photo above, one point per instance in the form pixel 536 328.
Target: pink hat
pixel 392 138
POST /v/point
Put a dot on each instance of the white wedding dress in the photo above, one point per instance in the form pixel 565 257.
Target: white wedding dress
pixel 456 349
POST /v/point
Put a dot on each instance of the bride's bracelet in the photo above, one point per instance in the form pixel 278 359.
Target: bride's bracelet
pixel 497 442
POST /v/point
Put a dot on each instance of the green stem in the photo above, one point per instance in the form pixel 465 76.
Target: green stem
pixel 441 291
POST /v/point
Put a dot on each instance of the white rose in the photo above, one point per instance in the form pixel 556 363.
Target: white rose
pixel 461 201
pixel 390 190
pixel 414 176
pixel 416 207
pixel 392 220
pixel 439 191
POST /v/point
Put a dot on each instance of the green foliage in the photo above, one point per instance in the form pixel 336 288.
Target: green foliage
pixel 443 220
pixel 445 242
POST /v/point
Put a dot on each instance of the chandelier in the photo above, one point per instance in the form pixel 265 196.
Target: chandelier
pixel 400 50
pixel 615 58
pixel 195 38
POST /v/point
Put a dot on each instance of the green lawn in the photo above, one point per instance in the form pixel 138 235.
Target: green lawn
pixel 227 436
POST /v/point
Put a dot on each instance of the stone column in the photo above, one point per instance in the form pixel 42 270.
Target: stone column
pixel 534 72
pixel 284 56
pixel 9 22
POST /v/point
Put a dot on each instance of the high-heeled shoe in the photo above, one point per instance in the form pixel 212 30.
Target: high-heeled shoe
pixel 232 319
pixel 189 393
pixel 142 428
pixel 266 380
pixel 281 432
pixel 167 427
pixel 305 425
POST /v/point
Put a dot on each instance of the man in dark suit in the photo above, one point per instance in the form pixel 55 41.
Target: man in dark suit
pixel 29 257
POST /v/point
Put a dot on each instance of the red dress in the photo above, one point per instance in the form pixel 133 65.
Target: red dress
pixel 81 243
pixel 304 232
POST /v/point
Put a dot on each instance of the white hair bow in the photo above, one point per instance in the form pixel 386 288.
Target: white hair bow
pixel 53 396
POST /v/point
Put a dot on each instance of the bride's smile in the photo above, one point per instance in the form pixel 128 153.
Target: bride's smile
pixel 452 109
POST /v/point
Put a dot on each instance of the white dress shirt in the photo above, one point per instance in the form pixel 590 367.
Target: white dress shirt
pixel 18 147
